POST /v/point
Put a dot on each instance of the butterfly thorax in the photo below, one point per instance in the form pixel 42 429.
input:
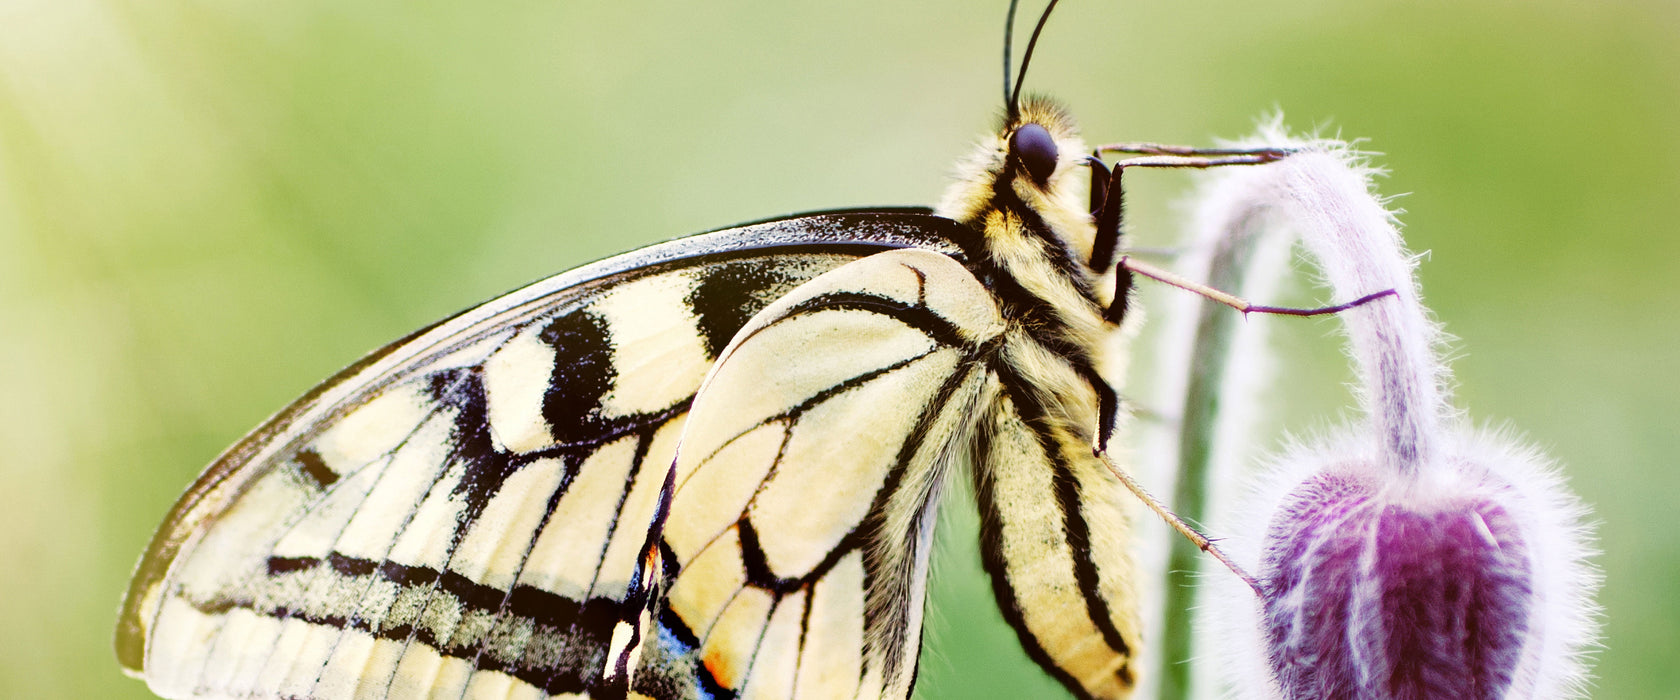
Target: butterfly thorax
pixel 1035 236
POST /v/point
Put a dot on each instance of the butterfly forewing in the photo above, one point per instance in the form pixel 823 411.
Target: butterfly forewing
pixel 464 511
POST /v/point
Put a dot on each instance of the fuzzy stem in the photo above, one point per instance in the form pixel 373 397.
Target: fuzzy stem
pixel 1358 249
pixel 1216 327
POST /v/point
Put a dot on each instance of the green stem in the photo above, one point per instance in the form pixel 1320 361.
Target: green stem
pixel 1216 328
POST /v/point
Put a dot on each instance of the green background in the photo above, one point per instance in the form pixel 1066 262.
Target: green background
pixel 206 206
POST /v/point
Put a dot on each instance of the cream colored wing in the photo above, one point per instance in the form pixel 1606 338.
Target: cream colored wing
pixel 795 550
pixel 462 514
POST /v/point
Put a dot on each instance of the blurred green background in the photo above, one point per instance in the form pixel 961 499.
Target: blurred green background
pixel 206 206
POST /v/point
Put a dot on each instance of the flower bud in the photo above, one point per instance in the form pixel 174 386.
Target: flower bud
pixel 1376 592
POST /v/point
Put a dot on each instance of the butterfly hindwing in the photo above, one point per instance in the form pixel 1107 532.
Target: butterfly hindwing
pixel 464 511
pixel 806 484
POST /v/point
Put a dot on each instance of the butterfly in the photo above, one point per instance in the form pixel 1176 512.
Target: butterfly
pixel 706 468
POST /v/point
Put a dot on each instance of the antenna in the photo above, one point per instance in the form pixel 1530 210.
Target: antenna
pixel 1008 41
pixel 1015 97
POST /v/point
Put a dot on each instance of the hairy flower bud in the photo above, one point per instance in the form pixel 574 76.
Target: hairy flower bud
pixel 1408 556
pixel 1468 581
pixel 1378 593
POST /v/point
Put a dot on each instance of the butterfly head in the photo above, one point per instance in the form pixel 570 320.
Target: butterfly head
pixel 1027 180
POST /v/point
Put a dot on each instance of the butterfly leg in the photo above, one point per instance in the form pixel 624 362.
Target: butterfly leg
pixel 1202 542
pixel 1108 206
pixel 1131 265
pixel 1108 409
pixel 1160 149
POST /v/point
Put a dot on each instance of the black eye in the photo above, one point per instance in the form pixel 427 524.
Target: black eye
pixel 1033 146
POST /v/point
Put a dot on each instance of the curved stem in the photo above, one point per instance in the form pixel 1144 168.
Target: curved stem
pixel 1216 328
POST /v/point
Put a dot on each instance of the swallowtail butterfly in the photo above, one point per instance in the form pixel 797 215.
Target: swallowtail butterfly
pixel 707 468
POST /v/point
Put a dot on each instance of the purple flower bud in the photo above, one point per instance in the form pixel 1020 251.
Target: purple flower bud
pixel 1376 592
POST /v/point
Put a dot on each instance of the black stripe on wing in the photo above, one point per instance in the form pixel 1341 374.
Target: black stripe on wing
pixel 554 619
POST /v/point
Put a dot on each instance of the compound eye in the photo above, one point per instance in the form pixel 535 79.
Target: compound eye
pixel 1036 150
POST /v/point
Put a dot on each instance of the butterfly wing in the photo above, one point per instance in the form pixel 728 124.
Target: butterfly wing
pixel 795 550
pixel 464 510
